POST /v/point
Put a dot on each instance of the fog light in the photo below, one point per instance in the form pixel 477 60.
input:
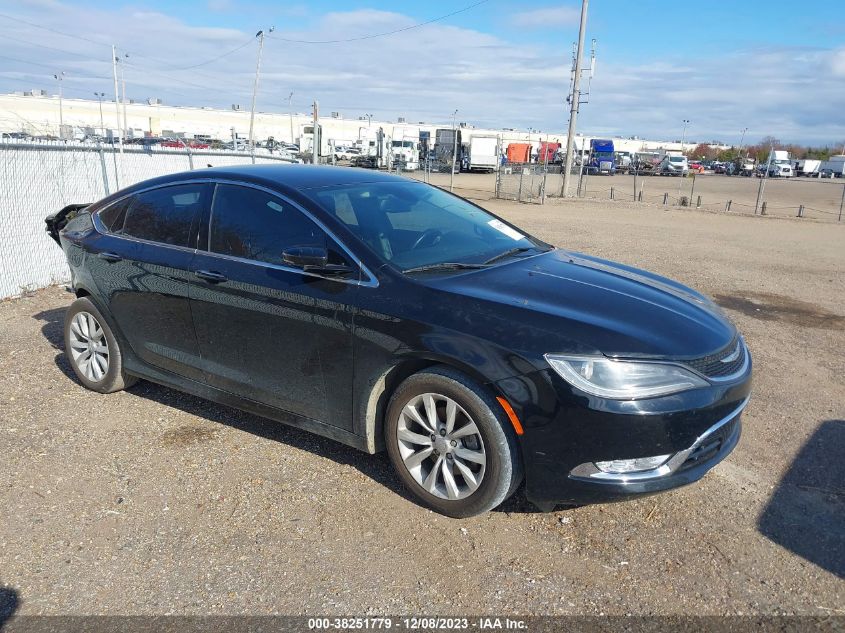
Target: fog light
pixel 632 465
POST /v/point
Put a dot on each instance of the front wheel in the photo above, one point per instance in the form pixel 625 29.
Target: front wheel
pixel 451 444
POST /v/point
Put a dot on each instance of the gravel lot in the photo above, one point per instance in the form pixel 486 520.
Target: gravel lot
pixel 820 197
pixel 154 502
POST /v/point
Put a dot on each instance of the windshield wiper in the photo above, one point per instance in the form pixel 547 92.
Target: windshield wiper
pixel 444 266
pixel 508 253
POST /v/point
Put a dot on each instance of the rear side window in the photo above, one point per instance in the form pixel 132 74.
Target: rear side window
pixel 114 216
pixel 254 224
pixel 164 215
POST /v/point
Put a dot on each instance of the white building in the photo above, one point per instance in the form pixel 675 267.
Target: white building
pixel 37 113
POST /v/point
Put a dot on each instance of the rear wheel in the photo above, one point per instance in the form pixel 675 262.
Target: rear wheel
pixel 450 443
pixel 92 349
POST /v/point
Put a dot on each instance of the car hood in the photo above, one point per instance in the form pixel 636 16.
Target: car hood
pixel 580 303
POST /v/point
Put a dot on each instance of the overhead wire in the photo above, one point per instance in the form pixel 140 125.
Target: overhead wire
pixel 376 35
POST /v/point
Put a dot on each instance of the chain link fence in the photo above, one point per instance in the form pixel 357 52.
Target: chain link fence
pixel 37 179
pixel 538 183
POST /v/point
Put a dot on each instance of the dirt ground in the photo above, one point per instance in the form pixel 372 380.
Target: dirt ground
pixel 154 502
pixel 783 196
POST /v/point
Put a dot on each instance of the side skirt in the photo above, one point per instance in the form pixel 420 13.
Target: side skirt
pixel 229 399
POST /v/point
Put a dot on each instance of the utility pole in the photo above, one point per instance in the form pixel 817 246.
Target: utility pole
pixel 454 150
pixel 100 96
pixel 260 36
pixel 574 98
pixel 116 96
pixel 290 113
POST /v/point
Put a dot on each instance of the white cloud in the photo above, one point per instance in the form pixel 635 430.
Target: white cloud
pixel 547 17
pixel 425 73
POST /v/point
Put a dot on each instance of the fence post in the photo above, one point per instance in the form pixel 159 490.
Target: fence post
pixel 543 186
pixel 841 202
pixel 763 208
pixel 640 196
pixel 692 190
pixel 103 168
pixel 611 193
pixel 698 203
pixel 190 156
pixel 665 198
pixel 519 192
pixel 800 210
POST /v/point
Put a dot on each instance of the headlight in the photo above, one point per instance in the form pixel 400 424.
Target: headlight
pixel 622 379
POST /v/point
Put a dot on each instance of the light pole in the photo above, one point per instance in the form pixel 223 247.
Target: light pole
pixel 454 150
pixel 59 77
pixel 290 113
pixel 369 119
pixel 260 36
pixel 123 91
pixel 683 141
pixel 742 140
pixel 100 96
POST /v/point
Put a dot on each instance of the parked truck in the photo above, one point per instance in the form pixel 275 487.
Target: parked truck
pixel 405 147
pixel 519 153
pixel 375 149
pixel 602 157
pixel 835 166
pixel 779 165
pixel 483 153
pixel 549 153
pixel 807 167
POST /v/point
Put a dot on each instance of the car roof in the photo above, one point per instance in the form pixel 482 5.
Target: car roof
pixel 282 176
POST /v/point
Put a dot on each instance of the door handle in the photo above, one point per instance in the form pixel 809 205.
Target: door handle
pixel 110 257
pixel 211 276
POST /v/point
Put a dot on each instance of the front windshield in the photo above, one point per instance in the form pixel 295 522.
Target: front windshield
pixel 412 224
pixel 677 159
pixel 604 154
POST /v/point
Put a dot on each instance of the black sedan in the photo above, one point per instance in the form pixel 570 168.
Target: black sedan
pixel 389 314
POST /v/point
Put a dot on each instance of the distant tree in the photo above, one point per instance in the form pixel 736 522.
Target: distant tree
pixel 702 151
pixel 770 142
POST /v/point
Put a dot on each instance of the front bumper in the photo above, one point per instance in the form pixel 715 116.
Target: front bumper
pixel 566 433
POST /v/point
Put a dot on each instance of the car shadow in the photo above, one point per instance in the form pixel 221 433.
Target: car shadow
pixel 806 513
pixel 9 602
pixel 376 467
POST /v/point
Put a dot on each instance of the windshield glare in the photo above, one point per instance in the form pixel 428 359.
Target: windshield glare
pixel 413 224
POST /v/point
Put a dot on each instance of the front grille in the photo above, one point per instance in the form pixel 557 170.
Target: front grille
pixel 713 366
pixel 712 445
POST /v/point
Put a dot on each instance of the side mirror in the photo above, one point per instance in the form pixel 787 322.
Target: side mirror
pixel 313 259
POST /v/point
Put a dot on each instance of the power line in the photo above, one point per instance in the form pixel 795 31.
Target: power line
pixel 47 28
pixel 375 35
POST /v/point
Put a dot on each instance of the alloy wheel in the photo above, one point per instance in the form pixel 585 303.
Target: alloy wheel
pixel 441 446
pixel 89 347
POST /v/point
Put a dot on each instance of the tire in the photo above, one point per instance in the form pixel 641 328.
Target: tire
pixel 85 338
pixel 456 452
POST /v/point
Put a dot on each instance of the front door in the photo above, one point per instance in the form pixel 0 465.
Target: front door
pixel 267 331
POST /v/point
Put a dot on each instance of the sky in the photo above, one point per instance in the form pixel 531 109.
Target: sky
pixel 776 68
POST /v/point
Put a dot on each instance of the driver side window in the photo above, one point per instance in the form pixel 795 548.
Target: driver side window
pixel 254 224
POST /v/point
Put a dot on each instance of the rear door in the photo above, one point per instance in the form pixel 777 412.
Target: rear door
pixel 142 266
pixel 267 331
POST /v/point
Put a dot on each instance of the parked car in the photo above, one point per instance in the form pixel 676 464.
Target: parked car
pixel 696 167
pixel 673 166
pixel 389 314
pixel 826 173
